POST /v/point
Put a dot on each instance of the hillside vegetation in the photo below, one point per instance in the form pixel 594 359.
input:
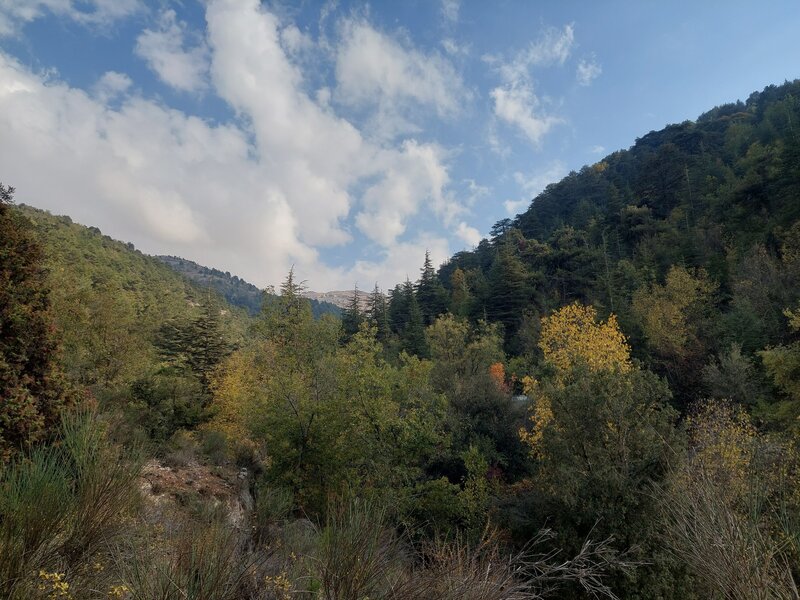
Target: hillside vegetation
pixel 236 291
pixel 601 400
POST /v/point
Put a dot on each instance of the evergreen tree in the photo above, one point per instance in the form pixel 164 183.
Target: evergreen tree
pixel 509 291
pixel 431 295
pixel 378 314
pixel 33 391
pixel 413 334
pixel 398 308
pixel 460 299
pixel 352 317
pixel 197 346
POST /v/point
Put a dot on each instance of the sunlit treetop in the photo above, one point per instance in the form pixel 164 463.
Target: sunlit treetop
pixel 573 334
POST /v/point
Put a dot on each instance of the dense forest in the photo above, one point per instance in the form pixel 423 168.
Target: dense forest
pixel 600 400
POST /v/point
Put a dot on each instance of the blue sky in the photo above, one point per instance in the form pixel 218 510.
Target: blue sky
pixel 346 138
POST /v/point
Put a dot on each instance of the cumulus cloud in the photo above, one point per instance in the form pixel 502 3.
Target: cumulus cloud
pixel 167 53
pixel 469 235
pixel 587 71
pixel 515 101
pixel 534 183
pixel 514 207
pixel 14 14
pixel 453 48
pixel 552 48
pixel 273 188
pixel 379 73
pixel 520 107
pixel 450 10
pixel 111 85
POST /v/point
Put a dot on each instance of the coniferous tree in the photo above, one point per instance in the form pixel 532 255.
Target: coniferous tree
pixel 431 295
pixel 413 334
pixel 460 298
pixel 352 317
pixel 509 291
pixel 398 308
pixel 33 390
pixel 378 313
pixel 197 346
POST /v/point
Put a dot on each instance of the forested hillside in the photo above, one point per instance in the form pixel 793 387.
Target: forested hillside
pixel 690 237
pixel 112 307
pixel 601 400
pixel 236 291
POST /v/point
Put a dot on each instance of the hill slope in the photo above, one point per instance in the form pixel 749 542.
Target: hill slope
pixel 715 202
pixel 235 290
pixel 109 300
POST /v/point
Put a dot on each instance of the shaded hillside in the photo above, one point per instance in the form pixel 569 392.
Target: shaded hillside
pixel 718 197
pixel 235 290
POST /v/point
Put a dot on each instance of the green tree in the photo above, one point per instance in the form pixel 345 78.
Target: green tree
pixel 378 313
pixel 509 290
pixel 460 299
pixel 32 386
pixel 352 316
pixel 198 345
pixel 412 338
pixel 430 293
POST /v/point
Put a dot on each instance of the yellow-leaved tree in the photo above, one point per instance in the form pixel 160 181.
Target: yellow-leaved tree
pixel 671 314
pixel 601 431
pixel 574 334
pixel 571 336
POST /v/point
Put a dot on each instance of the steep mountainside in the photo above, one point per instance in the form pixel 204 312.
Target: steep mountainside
pixel 697 223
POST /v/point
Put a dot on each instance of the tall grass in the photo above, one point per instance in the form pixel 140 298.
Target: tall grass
pixel 197 561
pixel 358 556
pixel 62 503
pixel 35 505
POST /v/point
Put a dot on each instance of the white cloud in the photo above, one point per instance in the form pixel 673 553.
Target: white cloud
pixel 378 72
pixel 14 14
pixel 552 48
pixel 111 85
pixel 450 10
pixel 587 71
pixel 453 48
pixel 469 235
pixel 514 207
pixel 166 52
pixel 403 260
pixel 515 101
pixel 520 107
pixel 597 149
pixel 416 175
pixel 274 188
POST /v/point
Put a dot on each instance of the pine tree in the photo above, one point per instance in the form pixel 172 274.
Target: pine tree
pixel 460 299
pixel 431 295
pixel 197 346
pixel 509 291
pixel 398 309
pixel 352 317
pixel 413 334
pixel 379 314
pixel 33 390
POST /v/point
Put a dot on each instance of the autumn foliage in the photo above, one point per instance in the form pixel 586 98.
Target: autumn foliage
pixel 573 334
